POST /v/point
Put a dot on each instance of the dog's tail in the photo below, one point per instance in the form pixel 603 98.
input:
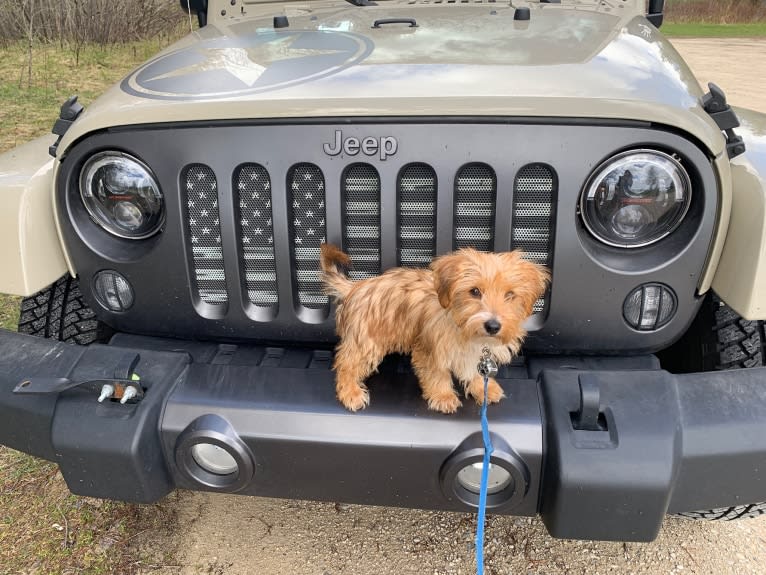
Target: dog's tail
pixel 335 266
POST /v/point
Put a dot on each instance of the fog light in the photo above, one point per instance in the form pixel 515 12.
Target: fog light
pixel 113 291
pixel 214 459
pixel 507 476
pixel 469 477
pixel 210 453
pixel 649 307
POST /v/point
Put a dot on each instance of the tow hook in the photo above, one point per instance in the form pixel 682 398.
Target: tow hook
pixel 125 386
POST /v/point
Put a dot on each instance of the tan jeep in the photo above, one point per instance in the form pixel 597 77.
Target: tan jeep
pixel 167 238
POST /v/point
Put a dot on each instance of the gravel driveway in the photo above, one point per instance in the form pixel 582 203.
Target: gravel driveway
pixel 229 535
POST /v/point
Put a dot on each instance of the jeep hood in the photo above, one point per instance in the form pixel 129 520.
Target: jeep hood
pixel 458 60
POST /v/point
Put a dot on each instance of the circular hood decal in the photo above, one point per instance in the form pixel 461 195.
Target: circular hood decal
pixel 259 62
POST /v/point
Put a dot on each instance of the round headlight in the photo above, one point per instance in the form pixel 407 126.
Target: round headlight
pixel 122 195
pixel 636 198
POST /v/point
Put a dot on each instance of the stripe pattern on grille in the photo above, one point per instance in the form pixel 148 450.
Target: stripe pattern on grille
pixel 361 220
pixel 256 234
pixel 416 233
pixel 474 218
pixel 201 191
pixel 308 230
pixel 533 201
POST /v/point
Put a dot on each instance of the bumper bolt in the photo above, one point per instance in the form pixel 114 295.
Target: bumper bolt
pixel 107 391
pixel 128 394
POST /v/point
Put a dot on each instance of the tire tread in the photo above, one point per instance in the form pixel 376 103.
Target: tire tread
pixel 738 343
pixel 728 513
pixel 59 312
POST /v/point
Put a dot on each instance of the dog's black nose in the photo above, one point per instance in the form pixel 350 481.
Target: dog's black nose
pixel 492 326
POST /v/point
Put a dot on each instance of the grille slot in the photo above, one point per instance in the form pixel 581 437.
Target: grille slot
pixel 474 218
pixel 204 229
pixel 416 225
pixel 308 230
pixel 256 234
pixel 533 201
pixel 361 220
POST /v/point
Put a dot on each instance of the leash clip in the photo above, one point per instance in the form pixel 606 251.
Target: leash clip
pixel 487 366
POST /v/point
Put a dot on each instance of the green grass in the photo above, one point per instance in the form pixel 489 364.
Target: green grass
pixel 30 104
pixel 9 312
pixel 43 527
pixel 704 30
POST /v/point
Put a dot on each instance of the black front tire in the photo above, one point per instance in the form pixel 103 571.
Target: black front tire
pixel 718 339
pixel 59 312
pixel 728 513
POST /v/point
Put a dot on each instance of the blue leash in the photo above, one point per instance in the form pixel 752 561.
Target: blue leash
pixel 488 449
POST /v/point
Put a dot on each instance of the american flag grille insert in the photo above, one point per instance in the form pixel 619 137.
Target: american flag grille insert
pixel 474 217
pixel 359 190
pixel 416 222
pixel 533 201
pixel 256 234
pixel 308 230
pixel 204 229
pixel 361 220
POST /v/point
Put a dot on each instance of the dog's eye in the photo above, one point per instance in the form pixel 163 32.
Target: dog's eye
pixel 509 295
pixel 475 292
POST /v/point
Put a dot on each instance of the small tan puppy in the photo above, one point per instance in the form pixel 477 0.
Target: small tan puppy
pixel 442 316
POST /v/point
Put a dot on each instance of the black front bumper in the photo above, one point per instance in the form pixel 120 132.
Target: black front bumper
pixel 647 444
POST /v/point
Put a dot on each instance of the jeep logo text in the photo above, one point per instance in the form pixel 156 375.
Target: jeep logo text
pixel 384 147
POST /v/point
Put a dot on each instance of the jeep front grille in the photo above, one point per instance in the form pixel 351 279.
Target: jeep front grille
pixel 357 194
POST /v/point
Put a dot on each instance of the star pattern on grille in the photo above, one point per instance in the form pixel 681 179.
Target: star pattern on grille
pixel 259 205
pixel 308 206
pixel 205 233
pixel 203 213
pixel 308 231
pixel 257 234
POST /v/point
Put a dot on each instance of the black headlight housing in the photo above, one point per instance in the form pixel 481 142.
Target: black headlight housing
pixel 635 198
pixel 122 195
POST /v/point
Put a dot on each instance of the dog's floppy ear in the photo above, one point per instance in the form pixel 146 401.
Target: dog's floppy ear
pixel 530 278
pixel 446 272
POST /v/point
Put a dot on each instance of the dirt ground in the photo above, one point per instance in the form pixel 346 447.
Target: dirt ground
pixel 231 535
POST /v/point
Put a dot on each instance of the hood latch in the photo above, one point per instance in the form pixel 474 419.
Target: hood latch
pixel 714 103
pixel 70 110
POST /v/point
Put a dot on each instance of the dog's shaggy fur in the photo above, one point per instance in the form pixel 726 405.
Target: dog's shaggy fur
pixel 442 316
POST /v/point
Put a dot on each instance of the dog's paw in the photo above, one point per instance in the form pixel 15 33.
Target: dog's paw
pixel 354 397
pixel 445 402
pixel 494 392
